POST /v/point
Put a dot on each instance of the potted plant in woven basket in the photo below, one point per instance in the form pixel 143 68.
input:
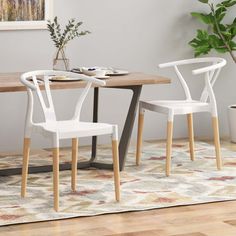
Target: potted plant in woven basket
pixel 61 38
pixel 219 36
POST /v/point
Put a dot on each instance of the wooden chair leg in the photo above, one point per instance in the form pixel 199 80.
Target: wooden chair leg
pixel 191 135
pixel 169 146
pixel 116 169
pixel 74 163
pixel 139 138
pixel 215 125
pixel 56 178
pixel 26 151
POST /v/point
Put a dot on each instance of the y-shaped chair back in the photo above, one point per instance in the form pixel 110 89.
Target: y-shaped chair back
pixel 210 72
pixel 30 80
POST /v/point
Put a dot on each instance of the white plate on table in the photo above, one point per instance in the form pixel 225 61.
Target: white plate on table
pixel 115 72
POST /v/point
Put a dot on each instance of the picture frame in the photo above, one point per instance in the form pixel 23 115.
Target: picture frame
pixel 30 24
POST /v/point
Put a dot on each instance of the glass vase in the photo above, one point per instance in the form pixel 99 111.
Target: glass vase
pixel 60 61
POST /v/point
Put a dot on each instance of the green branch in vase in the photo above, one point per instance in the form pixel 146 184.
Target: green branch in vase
pixel 61 37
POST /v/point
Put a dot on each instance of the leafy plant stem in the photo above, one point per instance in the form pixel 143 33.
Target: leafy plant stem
pixel 220 34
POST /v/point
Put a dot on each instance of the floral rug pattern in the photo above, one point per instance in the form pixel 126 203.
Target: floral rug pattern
pixel 143 187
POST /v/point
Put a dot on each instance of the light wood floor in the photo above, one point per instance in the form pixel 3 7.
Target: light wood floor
pixel 215 219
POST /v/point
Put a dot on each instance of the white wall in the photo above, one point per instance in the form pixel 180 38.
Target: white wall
pixel 135 35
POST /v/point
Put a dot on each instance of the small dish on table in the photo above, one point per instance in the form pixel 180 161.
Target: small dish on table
pixel 97 72
pixel 62 79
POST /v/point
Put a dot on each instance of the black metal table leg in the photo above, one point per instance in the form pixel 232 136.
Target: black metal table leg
pixel 127 130
pixel 95 119
pixel 128 127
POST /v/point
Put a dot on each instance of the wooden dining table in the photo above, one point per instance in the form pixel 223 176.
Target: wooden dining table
pixel 9 82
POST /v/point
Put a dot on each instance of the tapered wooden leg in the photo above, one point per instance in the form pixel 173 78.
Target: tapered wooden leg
pixel 215 125
pixel 56 178
pixel 169 146
pixel 191 135
pixel 26 151
pixel 116 169
pixel 74 163
pixel 139 138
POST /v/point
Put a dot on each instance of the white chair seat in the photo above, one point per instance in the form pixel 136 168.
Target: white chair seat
pixel 72 128
pixel 177 106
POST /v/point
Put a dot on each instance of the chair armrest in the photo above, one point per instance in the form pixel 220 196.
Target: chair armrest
pixel 26 82
pixel 24 77
pixel 210 68
pixel 220 62
pixel 175 63
pixel 82 77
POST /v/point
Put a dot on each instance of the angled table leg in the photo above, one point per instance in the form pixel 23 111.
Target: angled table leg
pixel 127 130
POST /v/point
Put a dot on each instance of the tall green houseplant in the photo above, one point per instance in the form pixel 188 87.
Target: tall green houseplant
pixel 219 36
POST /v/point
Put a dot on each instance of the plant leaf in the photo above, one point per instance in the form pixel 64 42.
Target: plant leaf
pixel 207 19
pixel 214 41
pixel 232 45
pixel 220 13
pixel 203 1
pixel 229 3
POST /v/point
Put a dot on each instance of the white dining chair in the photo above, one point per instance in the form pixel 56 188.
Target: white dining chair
pixel 206 103
pixel 66 129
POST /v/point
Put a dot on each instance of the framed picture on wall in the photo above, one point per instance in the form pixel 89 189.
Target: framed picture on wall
pixel 25 14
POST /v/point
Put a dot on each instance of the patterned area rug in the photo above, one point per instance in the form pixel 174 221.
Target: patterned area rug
pixel 144 187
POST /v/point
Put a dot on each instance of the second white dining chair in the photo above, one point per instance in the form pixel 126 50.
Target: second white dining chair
pixel 66 129
pixel 207 103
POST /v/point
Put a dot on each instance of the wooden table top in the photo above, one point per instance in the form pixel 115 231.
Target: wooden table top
pixel 9 82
